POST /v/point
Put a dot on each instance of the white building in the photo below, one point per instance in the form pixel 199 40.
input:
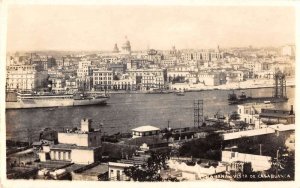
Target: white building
pixel 82 146
pixel 146 130
pixel 258 162
pixel 25 77
pixel 116 171
pixel 84 69
pixel 209 79
pixel 125 83
pixel 147 78
pixel 102 79
pixel 249 113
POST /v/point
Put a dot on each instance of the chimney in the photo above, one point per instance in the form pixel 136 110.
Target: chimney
pixel 292 110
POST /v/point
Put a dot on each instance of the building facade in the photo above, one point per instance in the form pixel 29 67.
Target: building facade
pixel 102 79
pixel 25 77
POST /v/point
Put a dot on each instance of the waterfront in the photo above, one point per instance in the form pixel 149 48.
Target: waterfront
pixel 127 111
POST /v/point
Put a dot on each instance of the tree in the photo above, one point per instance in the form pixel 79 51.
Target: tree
pixel 150 170
pixel 208 148
pixel 283 165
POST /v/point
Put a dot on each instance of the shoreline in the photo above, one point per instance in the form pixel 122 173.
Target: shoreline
pixel 202 89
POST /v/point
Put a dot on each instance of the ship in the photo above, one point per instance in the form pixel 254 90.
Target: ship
pixel 44 100
pixel 158 91
pixel 278 96
pixel 233 99
pixel 180 93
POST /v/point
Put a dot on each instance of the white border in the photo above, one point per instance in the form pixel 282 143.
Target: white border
pixel 51 184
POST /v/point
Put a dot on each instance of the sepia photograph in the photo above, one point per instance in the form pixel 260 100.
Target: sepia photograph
pixel 148 93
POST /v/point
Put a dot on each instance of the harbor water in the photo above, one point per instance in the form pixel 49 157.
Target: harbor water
pixel 126 111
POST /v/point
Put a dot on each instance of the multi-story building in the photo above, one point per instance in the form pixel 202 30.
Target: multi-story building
pixel 169 62
pixel 125 83
pixel 204 55
pixel 58 84
pixel 235 76
pixel 117 68
pixel 209 79
pixel 102 79
pixel 71 85
pixel 25 77
pixel 147 78
pixel 84 69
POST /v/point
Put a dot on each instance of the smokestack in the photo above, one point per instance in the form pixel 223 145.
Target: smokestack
pixel 292 110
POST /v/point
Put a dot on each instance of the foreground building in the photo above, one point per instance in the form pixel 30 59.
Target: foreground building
pixel 80 146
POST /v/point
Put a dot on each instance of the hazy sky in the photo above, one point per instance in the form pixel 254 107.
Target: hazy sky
pixel 57 27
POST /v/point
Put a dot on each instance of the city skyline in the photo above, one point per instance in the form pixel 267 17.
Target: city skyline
pixel 98 28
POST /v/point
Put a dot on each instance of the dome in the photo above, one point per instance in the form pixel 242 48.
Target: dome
pixel 126 44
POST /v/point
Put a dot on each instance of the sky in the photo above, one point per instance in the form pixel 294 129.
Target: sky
pixel 71 27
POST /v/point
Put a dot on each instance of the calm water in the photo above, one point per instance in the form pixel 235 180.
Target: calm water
pixel 127 111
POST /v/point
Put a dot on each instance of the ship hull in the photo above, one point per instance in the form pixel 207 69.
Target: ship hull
pixel 44 103
pixel 258 100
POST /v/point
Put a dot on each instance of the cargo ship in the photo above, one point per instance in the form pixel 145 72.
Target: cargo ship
pixel 33 100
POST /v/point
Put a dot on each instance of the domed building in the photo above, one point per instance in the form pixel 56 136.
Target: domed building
pixel 126 47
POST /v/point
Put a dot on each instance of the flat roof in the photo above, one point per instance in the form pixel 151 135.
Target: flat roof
pixel 146 128
pixel 119 164
pixel 256 132
pixel 248 133
pixel 71 146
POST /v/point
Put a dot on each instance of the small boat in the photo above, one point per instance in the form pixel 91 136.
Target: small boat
pixel 180 93
pixel 158 91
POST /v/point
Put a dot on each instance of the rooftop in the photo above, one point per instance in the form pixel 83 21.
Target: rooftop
pixel 99 169
pixel 146 128
pixel 257 132
pixel 119 164
pixel 70 147
pixel 248 133
pixel 282 127
pixel 153 140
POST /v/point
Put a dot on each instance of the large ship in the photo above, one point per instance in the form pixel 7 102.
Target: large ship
pixel 279 94
pixel 33 100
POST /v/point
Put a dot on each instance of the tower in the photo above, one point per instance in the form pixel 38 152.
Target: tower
pixel 116 49
pixel 198 113
pixel 280 85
